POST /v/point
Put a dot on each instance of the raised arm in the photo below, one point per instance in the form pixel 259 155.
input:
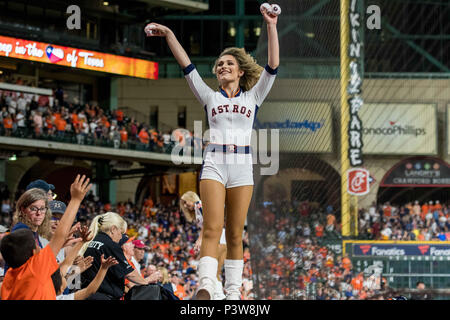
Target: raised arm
pixel 158 30
pixel 78 190
pixel 273 48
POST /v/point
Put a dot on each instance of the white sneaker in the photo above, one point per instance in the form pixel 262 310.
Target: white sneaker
pixel 207 270
pixel 218 293
pixel 233 278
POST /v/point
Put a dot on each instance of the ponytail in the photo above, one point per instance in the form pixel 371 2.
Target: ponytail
pixel 103 223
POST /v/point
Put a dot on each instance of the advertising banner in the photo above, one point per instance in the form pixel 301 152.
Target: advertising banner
pixel 303 126
pixel 379 249
pixel 399 128
pixel 418 172
pixel 77 58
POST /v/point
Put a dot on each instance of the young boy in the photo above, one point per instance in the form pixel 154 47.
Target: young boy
pixel 29 275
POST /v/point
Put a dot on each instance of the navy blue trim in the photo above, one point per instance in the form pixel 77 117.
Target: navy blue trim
pixel 188 69
pixel 201 170
pixel 225 94
pixel 271 71
pixel 256 111
pixel 228 148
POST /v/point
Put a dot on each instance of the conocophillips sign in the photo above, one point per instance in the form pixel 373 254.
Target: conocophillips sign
pixel 303 126
pixel 398 249
pixel 399 128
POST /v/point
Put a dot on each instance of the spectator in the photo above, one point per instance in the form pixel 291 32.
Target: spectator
pixel 46 187
pixel 57 209
pixel 139 251
pixel 30 275
pixel 32 213
pixel 107 230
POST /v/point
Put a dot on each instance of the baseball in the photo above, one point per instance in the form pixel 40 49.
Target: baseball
pixel 149 29
pixel 266 6
pixel 276 9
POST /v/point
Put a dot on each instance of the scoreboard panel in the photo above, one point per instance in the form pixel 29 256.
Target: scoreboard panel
pixel 402 263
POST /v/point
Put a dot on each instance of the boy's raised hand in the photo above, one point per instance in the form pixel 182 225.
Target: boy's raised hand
pixel 80 187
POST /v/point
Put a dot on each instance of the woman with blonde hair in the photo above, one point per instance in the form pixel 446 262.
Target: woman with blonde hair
pixel 32 212
pixel 191 206
pixel 227 171
pixel 108 230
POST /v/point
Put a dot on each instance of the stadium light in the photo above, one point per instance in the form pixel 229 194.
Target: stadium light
pixel 13 158
pixel 105 3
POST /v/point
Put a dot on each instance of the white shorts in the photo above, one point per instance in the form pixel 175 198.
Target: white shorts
pixel 230 169
pixel 223 240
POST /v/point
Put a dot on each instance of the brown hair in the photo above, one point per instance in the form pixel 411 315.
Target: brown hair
pixel 252 70
pixel 26 200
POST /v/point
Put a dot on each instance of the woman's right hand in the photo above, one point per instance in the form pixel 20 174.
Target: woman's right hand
pixel 156 30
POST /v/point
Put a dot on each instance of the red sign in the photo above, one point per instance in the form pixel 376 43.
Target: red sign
pixel 358 181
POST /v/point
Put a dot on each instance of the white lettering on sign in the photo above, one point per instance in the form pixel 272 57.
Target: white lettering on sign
pixel 6 48
pixel 387 252
pixel 33 51
pixel 72 58
pixel 439 252
pixel 92 62
pixel 19 49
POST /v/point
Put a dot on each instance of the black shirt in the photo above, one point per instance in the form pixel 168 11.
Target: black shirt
pixel 114 283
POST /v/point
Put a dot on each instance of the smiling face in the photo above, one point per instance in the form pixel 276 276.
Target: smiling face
pixel 36 212
pixel 228 70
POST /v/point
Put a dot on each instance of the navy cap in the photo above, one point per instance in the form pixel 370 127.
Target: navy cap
pixel 40 184
pixel 123 240
pixel 56 206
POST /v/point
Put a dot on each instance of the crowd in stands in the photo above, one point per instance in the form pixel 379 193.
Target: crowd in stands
pixel 295 234
pixel 291 259
pixel 35 116
pixel 167 237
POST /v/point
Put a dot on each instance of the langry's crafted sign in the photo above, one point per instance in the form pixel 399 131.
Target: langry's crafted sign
pixel 303 126
pixel 77 58
pixel 418 172
pixel 398 249
pixel 399 128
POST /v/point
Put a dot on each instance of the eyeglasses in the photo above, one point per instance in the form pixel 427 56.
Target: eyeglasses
pixel 55 218
pixel 36 209
pixel 52 194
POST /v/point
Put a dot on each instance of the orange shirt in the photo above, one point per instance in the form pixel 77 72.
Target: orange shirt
pixel 123 135
pixel 357 283
pixel 346 263
pixel 425 209
pixel 119 115
pixel 61 125
pixel 134 268
pixel 319 231
pixel 32 280
pixel 143 136
pixel 49 123
pixel 179 291
pixel 7 123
